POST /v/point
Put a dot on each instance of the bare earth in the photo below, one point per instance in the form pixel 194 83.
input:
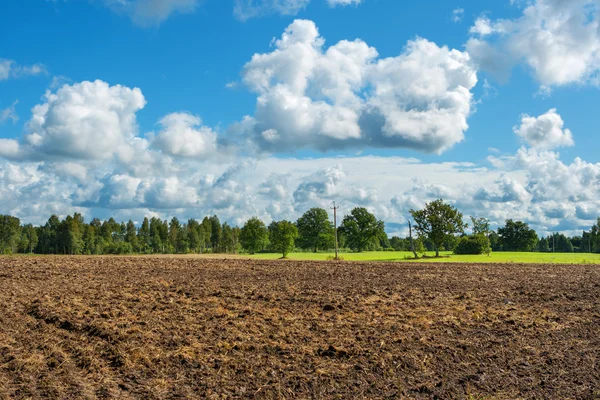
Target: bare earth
pixel 155 328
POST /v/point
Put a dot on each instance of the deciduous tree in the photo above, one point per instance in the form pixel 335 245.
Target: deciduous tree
pixel 315 230
pixel 361 229
pixel 283 236
pixel 437 221
pixel 517 236
pixel 254 236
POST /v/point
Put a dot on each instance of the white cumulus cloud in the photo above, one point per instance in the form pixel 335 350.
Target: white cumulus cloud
pixel 183 135
pixel 559 41
pixel 544 132
pixel 87 120
pixel 346 96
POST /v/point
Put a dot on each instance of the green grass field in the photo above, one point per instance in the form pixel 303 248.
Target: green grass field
pixel 540 258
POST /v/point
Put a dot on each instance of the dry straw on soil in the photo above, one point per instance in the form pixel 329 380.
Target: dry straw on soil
pixel 154 328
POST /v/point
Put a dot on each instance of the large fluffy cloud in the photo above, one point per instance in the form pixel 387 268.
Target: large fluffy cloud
pixel 87 120
pixel 544 132
pixel 343 96
pixel 559 40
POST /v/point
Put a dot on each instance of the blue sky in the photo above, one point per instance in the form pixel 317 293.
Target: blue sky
pixel 242 108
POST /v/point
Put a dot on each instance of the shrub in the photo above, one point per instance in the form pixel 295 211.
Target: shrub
pixel 476 244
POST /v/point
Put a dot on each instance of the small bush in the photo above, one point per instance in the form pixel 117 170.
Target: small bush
pixel 476 244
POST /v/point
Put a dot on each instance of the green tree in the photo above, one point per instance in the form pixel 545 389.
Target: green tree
pixel 89 239
pixel 193 237
pixel 144 236
pixel 315 230
pixel 437 221
pixel 156 244
pixel 361 229
pixel 397 243
pixel 495 243
pixel 216 233
pixel 206 228
pixel 174 228
pixel 594 237
pixel 29 239
pixel 283 236
pixel 131 236
pixel 163 231
pixel 235 236
pixel 254 236
pixel 230 239
pixel 71 234
pixel 544 246
pixel 473 244
pixel 181 243
pixel 48 236
pixel 559 243
pixel 481 231
pixel 517 236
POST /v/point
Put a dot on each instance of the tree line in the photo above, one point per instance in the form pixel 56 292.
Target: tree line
pixel 438 227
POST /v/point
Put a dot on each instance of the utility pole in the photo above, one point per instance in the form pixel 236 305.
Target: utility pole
pixel 335 208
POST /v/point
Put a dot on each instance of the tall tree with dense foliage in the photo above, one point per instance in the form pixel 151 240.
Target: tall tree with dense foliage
pixel 559 243
pixel 361 229
pixel 517 236
pixel 143 235
pixel 230 239
pixel 89 240
pixel 181 241
pixel 174 228
pixel 315 230
pixel 544 246
pixel 437 221
pixel 156 243
pixel 193 236
pixel 216 233
pixel 283 236
pixel 254 236
pixel 594 238
pixel 481 233
pixel 29 239
pixel 72 234
pixel 131 236
pixel 10 234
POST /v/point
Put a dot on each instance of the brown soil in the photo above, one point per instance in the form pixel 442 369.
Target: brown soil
pixel 154 328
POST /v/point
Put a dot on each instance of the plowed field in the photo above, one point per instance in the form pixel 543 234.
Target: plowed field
pixel 162 328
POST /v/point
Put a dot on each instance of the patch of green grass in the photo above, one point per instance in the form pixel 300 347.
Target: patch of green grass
pixel 540 258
